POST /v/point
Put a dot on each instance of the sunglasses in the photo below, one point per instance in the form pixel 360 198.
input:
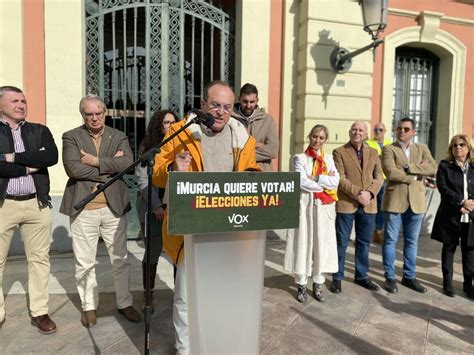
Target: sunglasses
pixel 460 145
pixel 404 129
pixel 378 129
pixel 165 123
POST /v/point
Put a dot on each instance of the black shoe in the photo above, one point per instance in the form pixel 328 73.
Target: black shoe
pixel 335 286
pixel 449 291
pixel 391 286
pixel 448 288
pixel 470 295
pixel 368 284
pixel 318 292
pixel 301 295
pixel 414 285
pixel 467 286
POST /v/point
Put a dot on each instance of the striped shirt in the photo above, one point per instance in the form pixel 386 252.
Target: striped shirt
pixel 22 185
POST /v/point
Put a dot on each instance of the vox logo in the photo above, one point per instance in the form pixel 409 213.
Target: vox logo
pixel 238 219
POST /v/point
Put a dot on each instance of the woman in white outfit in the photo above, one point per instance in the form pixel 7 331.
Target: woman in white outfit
pixel 311 249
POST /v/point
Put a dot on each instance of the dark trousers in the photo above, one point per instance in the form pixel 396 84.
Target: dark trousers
pixel 157 239
pixel 447 260
pixel 379 215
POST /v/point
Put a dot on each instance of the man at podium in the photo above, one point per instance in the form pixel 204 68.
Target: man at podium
pixel 222 146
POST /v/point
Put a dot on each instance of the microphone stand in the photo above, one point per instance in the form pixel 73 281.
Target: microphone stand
pixel 146 159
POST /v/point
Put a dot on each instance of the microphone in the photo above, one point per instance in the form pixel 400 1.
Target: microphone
pixel 200 116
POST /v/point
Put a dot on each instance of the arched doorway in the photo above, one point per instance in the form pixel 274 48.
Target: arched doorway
pixel 415 87
pixel 450 91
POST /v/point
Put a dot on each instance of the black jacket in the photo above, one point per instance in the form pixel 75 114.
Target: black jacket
pixel 40 152
pixel 447 223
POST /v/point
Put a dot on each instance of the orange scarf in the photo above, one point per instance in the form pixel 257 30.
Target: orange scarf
pixel 327 196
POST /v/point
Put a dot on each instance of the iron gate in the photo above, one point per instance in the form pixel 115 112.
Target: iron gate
pixel 148 55
pixel 414 91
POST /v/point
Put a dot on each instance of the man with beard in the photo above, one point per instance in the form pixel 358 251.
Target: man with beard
pixel 259 124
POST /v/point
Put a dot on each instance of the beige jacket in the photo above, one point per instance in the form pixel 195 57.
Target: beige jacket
pixel 406 189
pixel 262 127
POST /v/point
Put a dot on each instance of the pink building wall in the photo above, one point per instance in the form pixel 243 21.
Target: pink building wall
pixel 463 32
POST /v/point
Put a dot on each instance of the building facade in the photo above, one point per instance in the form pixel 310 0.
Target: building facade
pixel 148 54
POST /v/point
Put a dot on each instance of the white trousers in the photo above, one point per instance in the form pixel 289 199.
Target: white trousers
pixel 303 279
pixel 180 310
pixel 86 229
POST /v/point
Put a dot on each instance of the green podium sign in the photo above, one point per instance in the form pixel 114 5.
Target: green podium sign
pixel 203 202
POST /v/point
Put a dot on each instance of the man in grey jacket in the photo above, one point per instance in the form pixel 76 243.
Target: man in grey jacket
pixel 259 124
pixel 92 154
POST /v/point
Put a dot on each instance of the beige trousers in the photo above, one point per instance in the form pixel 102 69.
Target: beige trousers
pixel 35 228
pixel 86 229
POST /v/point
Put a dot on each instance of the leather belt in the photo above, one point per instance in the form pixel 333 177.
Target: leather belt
pixel 21 197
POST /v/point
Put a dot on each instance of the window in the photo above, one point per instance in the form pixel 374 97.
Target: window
pixel 415 90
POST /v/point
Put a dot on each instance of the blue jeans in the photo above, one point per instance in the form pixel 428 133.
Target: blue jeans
pixel 379 215
pixel 411 230
pixel 364 225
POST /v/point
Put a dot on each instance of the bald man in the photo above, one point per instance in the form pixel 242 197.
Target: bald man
pixel 361 178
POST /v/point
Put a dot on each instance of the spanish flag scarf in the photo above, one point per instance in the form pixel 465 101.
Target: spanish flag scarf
pixel 327 196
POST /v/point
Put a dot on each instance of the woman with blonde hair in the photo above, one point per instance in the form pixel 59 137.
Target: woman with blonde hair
pixel 454 220
pixel 311 249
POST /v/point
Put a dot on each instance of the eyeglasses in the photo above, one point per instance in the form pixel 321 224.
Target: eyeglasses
pixel 460 145
pixel 167 123
pixel 92 114
pixel 378 129
pixel 404 129
pixel 217 107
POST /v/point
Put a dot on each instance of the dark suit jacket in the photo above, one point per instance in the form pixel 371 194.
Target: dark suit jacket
pixel 403 189
pixel 40 152
pixel 84 178
pixel 354 178
pixel 447 224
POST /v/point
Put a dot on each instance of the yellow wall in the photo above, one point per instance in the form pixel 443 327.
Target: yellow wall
pixel 323 96
pixel 289 68
pixel 64 50
pixel 252 46
pixel 11 43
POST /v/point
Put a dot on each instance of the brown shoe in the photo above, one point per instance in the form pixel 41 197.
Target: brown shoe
pixel 88 318
pixel 377 237
pixel 44 324
pixel 130 314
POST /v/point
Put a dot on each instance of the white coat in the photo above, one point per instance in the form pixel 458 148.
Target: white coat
pixel 311 249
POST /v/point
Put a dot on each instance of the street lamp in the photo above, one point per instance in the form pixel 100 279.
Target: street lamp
pixel 374 13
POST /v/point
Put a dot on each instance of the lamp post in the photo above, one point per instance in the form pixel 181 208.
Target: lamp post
pixel 374 13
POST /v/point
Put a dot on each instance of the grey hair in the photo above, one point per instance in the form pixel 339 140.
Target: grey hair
pixel 91 97
pixel 6 88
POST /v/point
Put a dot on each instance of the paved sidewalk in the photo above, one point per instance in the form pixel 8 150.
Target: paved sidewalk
pixel 356 321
